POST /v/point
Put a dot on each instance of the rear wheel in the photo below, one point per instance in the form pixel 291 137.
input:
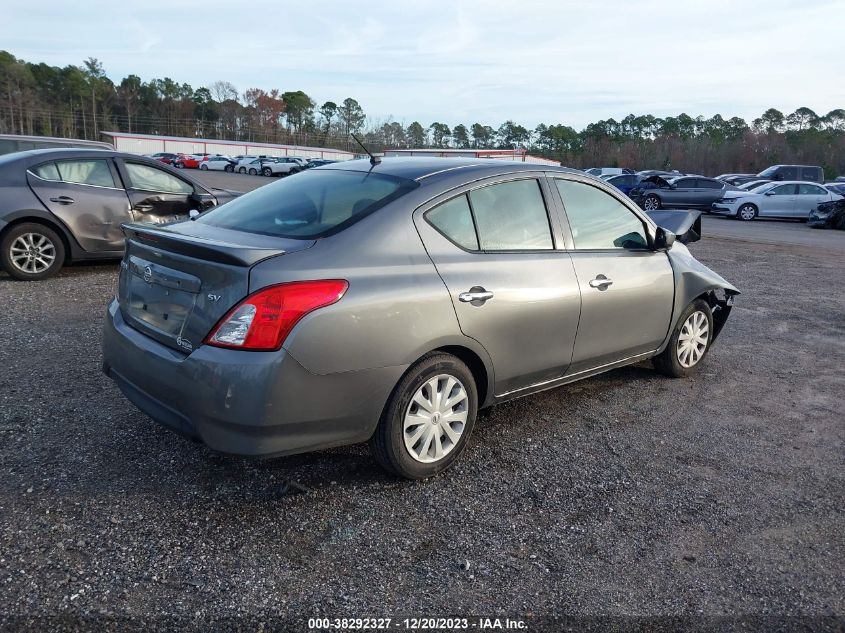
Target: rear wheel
pixel 253 171
pixel 203 167
pixel 428 419
pixel 31 252
pixel 242 170
pixel 295 170
pixel 229 168
pixel 651 203
pixel 746 212
pixel 689 343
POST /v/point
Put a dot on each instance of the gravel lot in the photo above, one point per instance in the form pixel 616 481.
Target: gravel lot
pixel 627 494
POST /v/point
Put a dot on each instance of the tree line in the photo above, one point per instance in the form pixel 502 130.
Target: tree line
pixel 81 101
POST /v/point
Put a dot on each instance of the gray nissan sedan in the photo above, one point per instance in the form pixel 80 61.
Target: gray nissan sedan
pixel 389 302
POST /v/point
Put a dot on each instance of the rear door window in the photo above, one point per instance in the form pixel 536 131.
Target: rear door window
pixel 810 190
pixel 511 216
pixel 709 184
pixel 809 173
pixel 78 172
pixel 454 220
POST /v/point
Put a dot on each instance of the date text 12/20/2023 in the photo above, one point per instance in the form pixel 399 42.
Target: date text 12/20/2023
pixel 417 624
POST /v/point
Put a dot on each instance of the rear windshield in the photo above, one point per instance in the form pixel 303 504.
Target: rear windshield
pixel 309 205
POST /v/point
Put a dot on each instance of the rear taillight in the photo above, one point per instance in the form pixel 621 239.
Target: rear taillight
pixel 262 321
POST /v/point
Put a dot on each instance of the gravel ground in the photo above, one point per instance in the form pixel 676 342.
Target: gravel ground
pixel 624 495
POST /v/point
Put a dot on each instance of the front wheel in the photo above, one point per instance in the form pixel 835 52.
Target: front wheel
pixel 428 418
pixel 242 170
pixel 746 212
pixel 689 343
pixel 266 172
pixel 31 252
pixel 651 203
pixel 253 171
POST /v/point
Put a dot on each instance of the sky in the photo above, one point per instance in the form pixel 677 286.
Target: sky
pixel 570 62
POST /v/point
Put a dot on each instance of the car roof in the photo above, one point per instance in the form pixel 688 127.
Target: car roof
pixel 419 167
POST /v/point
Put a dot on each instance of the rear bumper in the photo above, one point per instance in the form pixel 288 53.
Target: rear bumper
pixel 244 403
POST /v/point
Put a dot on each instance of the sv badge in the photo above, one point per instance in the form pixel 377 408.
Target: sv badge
pixel 212 297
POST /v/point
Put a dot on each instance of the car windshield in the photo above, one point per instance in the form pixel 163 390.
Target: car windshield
pixel 768 172
pixel 310 205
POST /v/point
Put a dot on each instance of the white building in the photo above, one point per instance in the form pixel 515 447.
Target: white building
pixel 150 144
pixel 520 155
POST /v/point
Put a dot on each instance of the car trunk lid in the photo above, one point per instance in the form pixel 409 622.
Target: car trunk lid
pixel 178 281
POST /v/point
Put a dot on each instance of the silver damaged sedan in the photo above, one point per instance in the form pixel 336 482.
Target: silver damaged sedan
pixel 388 302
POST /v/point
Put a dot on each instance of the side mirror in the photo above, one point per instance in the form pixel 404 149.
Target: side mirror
pixel 193 213
pixel 663 239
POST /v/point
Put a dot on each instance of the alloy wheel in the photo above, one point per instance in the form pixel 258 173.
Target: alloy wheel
pixel 32 253
pixel 436 418
pixel 693 339
pixel 651 204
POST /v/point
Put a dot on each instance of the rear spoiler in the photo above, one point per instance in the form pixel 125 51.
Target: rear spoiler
pixel 686 225
pixel 201 248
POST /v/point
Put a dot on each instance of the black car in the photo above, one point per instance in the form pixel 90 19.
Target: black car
pixel 828 215
pixel 60 205
pixel 318 162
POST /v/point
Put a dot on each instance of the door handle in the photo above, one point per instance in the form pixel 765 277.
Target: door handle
pixel 62 200
pixel 475 296
pixel 143 207
pixel 601 282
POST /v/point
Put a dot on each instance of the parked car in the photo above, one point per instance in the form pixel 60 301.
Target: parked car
pixel 794 173
pixel 753 184
pixel 828 215
pixel 319 162
pixel 187 161
pixel 742 179
pixel 608 171
pixel 251 166
pixel 624 182
pixel 10 143
pixel 283 166
pixel 164 157
pixel 68 204
pixel 218 163
pixel 836 187
pixel 277 339
pixel 774 200
pixel 680 192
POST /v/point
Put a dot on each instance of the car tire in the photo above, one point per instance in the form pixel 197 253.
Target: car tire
pixel 413 423
pixel 253 171
pixel 242 170
pixel 47 254
pixel 689 342
pixel 746 212
pixel 203 167
pixel 229 168
pixel 293 171
pixel 651 203
pixel 266 172
pixel 178 165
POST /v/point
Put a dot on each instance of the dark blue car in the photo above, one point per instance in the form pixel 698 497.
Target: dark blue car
pixel 624 182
